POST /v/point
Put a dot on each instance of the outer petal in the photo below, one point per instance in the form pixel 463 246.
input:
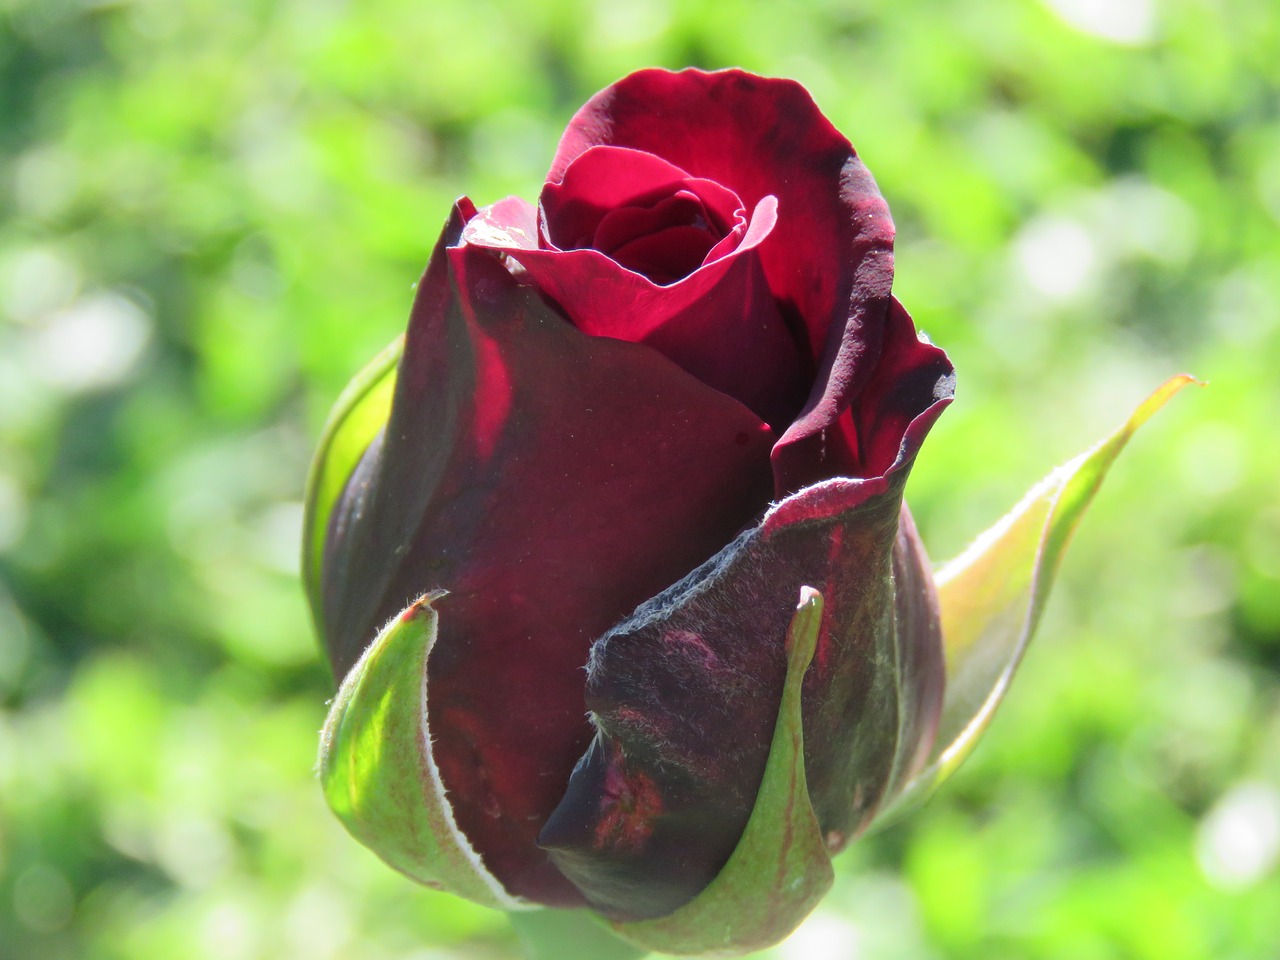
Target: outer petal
pixel 550 481
pixel 830 256
pixel 720 323
pixel 685 692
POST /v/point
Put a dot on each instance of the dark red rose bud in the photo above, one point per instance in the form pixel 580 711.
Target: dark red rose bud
pixel 596 398
pixel 555 551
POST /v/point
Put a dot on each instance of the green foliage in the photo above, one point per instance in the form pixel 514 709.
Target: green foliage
pixel 211 214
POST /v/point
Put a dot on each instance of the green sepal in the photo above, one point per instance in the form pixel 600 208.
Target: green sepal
pixel 992 595
pixel 780 868
pixel 377 769
pixel 359 413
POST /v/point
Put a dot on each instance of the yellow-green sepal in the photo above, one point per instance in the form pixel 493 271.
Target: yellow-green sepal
pixel 992 595
pixel 359 413
pixel 780 868
pixel 377 769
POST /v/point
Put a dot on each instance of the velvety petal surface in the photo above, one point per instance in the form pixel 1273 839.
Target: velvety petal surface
pixel 685 692
pixel 550 481
pixel 829 259
pixel 780 867
pixel 721 323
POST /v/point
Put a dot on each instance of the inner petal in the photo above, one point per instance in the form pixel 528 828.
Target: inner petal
pixel 668 238
pixel 626 224
pixel 580 211
pixel 666 256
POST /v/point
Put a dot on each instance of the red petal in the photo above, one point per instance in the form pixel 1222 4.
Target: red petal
pixel 720 323
pixel 667 255
pixel 608 178
pixel 830 255
pixel 550 481
pixel 903 397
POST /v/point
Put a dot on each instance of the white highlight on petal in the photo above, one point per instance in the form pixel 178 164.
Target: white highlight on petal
pixel 1238 842
pixel 1131 22
pixel 480 231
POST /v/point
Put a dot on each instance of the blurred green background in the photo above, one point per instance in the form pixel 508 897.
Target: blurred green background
pixel 212 213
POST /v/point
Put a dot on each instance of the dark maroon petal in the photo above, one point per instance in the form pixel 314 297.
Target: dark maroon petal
pixel 720 323
pixel 623 225
pixel 685 692
pixel 666 255
pixel 871 434
pixel 830 257
pixel 599 297
pixel 681 211
pixel 685 697
pixel 550 481
pixel 355 575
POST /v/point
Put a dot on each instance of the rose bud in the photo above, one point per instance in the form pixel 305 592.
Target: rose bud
pixel 612 555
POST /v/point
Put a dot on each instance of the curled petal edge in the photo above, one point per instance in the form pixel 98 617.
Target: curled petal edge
pixel 991 598
pixel 377 769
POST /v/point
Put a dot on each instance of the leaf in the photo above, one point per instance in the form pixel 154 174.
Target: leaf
pixel 378 773
pixel 992 595
pixel 360 412
pixel 780 868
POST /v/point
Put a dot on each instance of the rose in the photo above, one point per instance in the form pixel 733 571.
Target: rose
pixel 552 478
pixel 629 429
pixel 595 399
